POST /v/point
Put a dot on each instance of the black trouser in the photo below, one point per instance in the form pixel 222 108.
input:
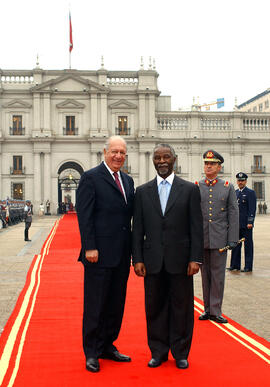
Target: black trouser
pixel 27 226
pixel 104 301
pixel 169 303
pixel 236 252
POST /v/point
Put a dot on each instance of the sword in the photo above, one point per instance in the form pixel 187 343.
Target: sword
pixel 228 247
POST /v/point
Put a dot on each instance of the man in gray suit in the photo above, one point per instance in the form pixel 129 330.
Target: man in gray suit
pixel 167 247
pixel 221 228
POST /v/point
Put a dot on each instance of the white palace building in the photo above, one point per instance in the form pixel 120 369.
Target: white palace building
pixel 54 123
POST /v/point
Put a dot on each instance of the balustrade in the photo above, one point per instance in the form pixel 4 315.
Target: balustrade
pixel 256 124
pixel 17 79
pixel 215 123
pixel 172 123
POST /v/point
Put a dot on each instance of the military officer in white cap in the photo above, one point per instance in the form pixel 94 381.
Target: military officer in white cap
pixel 221 228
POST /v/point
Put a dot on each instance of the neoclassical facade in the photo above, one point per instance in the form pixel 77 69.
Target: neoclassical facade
pixel 54 123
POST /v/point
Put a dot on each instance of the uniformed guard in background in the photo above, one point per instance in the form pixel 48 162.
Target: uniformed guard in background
pixel 246 198
pixel 28 219
pixel 221 228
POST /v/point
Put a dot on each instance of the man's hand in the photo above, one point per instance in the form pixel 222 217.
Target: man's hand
pixel 249 226
pixel 140 269
pixel 91 255
pixel 193 268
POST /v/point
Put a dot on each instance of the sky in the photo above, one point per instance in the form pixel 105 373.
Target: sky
pixel 205 49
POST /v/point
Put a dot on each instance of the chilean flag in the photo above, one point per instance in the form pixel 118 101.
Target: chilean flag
pixel 70 34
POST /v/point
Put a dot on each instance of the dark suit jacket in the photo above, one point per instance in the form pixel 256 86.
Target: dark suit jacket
pixel 174 239
pixel 247 206
pixel 104 216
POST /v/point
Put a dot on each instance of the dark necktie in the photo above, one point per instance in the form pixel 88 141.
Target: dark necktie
pixel 115 174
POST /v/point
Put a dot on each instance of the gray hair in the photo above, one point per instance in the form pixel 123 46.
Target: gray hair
pixel 164 146
pixel 108 141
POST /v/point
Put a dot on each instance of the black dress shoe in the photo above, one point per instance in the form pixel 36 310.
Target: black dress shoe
pixel 92 364
pixel 156 362
pixel 27 240
pixel 116 356
pixel 246 270
pixel 182 363
pixel 232 268
pixel 218 319
pixel 204 316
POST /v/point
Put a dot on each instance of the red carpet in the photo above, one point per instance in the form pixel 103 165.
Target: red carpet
pixel 41 343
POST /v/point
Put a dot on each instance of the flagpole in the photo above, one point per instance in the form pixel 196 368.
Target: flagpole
pixel 70 39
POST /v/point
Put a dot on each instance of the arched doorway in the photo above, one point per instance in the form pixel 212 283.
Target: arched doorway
pixel 68 179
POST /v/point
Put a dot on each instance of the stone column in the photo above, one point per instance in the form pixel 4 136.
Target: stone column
pixel 94 106
pixel 94 159
pixel 47 177
pixel 36 111
pixel 37 180
pixel 142 112
pixel 46 111
pixel 104 114
pixel 1 183
pixel 152 114
pixel 142 167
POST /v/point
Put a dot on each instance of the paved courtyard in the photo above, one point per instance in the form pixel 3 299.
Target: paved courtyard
pixel 247 295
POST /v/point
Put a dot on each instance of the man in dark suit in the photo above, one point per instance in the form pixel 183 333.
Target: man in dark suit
pixel 246 199
pixel 166 249
pixel 104 207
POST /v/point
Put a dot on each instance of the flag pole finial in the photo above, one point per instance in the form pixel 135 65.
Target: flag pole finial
pixel 102 61
pixel 142 65
pixel 37 62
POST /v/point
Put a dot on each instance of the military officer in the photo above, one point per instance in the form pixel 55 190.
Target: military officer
pixel 27 219
pixel 246 198
pixel 221 228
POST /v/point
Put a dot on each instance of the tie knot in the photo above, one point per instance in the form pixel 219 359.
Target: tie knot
pixel 164 182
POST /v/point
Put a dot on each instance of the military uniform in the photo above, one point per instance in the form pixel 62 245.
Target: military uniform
pixel 28 219
pixel 221 226
pixel 247 209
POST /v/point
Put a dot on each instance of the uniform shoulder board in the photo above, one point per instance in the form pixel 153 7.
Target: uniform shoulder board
pixel 226 184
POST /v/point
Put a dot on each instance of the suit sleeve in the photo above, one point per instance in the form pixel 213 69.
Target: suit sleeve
pixel 137 229
pixel 252 204
pixel 233 216
pixel 85 203
pixel 196 226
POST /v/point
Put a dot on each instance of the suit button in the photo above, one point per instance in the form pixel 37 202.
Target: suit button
pixel 210 190
pixel 210 208
pixel 210 196
pixel 210 214
pixel 210 202
pixel 210 220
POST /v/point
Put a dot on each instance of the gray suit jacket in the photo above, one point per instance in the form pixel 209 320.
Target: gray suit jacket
pixel 220 214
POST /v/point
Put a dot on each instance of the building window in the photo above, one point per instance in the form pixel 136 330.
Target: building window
pixel 266 104
pixel 260 107
pixel 17 191
pixel 17 128
pixel 122 129
pixel 258 164
pixel 126 168
pixel 17 165
pixel 70 129
pixel 255 108
pixel 258 187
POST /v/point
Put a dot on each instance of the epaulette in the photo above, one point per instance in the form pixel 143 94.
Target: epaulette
pixel 226 184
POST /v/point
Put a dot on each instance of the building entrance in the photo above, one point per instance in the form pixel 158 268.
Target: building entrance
pixel 68 180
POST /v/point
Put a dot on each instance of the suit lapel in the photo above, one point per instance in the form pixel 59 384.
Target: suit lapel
pixel 108 177
pixel 154 196
pixel 174 193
